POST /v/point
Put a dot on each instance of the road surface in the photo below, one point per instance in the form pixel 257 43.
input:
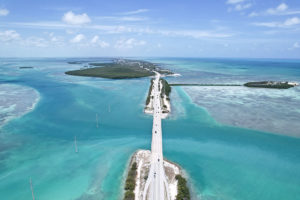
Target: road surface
pixel 156 187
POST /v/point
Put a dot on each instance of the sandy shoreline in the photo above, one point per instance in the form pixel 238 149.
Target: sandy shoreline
pixel 143 159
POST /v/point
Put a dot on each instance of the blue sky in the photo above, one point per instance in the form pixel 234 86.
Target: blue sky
pixel 190 28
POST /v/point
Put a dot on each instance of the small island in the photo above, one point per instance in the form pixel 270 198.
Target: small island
pixel 165 90
pixel 119 69
pixel 271 84
pixel 25 67
pixel 76 62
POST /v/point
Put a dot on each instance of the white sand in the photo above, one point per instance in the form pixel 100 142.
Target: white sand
pixel 143 158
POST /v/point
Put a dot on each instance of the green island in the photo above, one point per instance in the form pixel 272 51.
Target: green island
pixel 25 67
pixel 183 190
pixel 130 183
pixel 270 84
pixel 166 88
pixel 164 95
pixel 119 69
pixel 201 84
pixel 149 92
pixel 76 62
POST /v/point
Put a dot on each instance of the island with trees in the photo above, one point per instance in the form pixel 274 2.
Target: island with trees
pixel 25 67
pixel 165 90
pixel 119 69
pixel 271 84
pixel 130 182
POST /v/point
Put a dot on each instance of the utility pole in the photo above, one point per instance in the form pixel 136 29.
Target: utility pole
pixel 31 187
pixel 97 121
pixel 75 142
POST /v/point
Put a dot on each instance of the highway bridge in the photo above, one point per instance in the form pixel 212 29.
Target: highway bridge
pixel 156 187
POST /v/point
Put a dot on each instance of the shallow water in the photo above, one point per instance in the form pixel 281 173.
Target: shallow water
pixel 269 110
pixel 222 162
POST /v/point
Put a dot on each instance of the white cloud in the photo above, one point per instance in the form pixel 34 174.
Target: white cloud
pixel 9 35
pixel 114 29
pixel 293 12
pixel 55 40
pixel 234 1
pixel 292 21
pixel 96 42
pixel 240 7
pixel 78 38
pixel 123 18
pixel 280 8
pixel 71 18
pixel 286 24
pixel 253 14
pixel 132 19
pixel 135 12
pixel 103 44
pixel 35 41
pixel 4 12
pixel 70 31
pixel 267 24
pixel 296 45
pixel 129 43
pixel 195 34
pixel 95 39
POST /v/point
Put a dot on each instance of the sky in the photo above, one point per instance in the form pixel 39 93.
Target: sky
pixel 156 28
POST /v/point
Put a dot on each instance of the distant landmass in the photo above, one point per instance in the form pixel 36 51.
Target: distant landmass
pixel 271 84
pixel 119 69
pixel 76 62
pixel 261 84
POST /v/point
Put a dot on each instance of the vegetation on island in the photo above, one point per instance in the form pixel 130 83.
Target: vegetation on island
pixel 183 192
pixel 112 71
pixel 146 65
pixel 269 84
pixel 149 92
pixel 202 84
pixel 130 183
pixel 118 69
pixel 75 62
pixel 166 88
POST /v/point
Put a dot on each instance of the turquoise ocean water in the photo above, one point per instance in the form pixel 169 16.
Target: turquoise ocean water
pixel 222 162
